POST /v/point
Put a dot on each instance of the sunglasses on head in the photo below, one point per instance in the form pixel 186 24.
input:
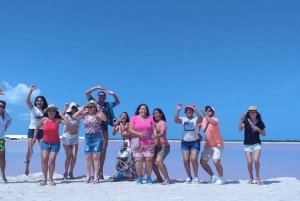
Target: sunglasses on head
pixel 2 106
pixel 89 107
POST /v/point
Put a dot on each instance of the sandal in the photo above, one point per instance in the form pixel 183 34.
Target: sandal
pixel 95 181
pixel 87 180
pixel 52 183
pixel 166 182
pixel 157 181
pixel 71 175
pixel 65 176
pixel 44 182
pixel 259 182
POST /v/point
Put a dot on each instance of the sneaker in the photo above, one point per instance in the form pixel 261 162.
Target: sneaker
pixel 220 181
pixel 196 180
pixel 213 179
pixel 100 177
pixel 188 180
pixel 139 181
pixel 149 181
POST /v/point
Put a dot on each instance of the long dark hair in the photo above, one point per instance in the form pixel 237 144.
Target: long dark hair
pixel 258 116
pixel 45 104
pixel 139 107
pixel 127 117
pixel 163 117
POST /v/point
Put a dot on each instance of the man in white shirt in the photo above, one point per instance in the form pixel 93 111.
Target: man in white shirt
pixel 5 121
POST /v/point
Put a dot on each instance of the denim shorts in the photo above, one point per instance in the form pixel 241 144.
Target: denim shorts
pixel 50 146
pixel 190 145
pixel 31 133
pixel 252 147
pixel 93 143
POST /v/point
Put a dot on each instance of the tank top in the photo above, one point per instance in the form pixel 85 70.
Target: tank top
pixel 92 124
pixel 51 132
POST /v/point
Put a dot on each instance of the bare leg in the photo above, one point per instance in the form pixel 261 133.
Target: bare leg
pixel 68 159
pixel 96 159
pixel 156 172
pixel 249 165
pixel 218 167
pixel 73 160
pixel 102 160
pixel 2 165
pixel 194 159
pixel 139 166
pixel 149 166
pixel 186 162
pixel 45 160
pixel 29 150
pixel 52 158
pixel 162 167
pixel 206 167
pixel 88 165
pixel 257 153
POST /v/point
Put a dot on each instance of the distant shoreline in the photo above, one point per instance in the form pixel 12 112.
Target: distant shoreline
pixel 24 137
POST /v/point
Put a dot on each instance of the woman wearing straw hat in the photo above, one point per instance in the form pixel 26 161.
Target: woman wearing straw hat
pixel 93 140
pixel 50 142
pixel 254 127
pixel 70 139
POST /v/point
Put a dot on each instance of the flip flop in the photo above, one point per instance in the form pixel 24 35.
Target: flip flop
pixel 43 183
pixel 259 182
pixel 95 181
pixel 87 180
pixel 52 183
pixel 157 181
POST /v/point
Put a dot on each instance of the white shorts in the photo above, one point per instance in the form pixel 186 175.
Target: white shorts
pixel 252 147
pixel 215 152
pixel 68 139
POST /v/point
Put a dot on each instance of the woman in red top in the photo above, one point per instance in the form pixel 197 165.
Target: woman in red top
pixel 162 147
pixel 50 142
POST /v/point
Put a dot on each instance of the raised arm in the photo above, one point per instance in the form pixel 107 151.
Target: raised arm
pixel 63 119
pixel 241 124
pixel 176 117
pixel 209 119
pixel 100 114
pixel 30 106
pixel 117 101
pixel 78 114
pixel 199 120
pixel 65 108
pixel 1 91
pixel 89 91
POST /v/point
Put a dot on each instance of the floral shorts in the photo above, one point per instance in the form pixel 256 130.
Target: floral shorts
pixel 143 151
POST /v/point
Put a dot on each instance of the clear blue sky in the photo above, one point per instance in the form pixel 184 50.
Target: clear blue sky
pixel 229 54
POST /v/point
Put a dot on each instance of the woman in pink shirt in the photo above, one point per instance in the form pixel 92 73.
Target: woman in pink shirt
pixel 162 147
pixel 141 126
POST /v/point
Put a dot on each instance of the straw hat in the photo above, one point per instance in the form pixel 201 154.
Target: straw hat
pixel 92 102
pixel 50 106
pixel 252 108
pixel 72 105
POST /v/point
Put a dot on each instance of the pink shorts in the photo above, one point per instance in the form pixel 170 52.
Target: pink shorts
pixel 143 151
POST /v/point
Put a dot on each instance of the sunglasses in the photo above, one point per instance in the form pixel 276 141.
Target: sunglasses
pixel 51 110
pixel 89 107
pixel 189 111
pixel 208 110
pixel 102 95
pixel 2 106
pixel 74 107
pixel 39 101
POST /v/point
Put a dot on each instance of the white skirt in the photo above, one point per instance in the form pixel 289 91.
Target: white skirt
pixel 68 139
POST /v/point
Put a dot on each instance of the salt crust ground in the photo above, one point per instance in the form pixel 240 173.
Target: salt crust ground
pixel 27 188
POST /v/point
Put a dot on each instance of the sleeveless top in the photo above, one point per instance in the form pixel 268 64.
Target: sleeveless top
pixel 51 132
pixel 92 124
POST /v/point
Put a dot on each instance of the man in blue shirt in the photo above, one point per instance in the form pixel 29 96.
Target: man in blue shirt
pixel 107 109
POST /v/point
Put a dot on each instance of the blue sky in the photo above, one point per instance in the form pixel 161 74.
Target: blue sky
pixel 229 54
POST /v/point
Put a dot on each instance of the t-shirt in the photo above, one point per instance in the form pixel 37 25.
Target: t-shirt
pixel 213 137
pixel 189 128
pixel 105 110
pixel 143 127
pixel 6 122
pixel 36 115
pixel 162 141
pixel 250 136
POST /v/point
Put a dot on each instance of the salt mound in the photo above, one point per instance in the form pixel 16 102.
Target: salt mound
pixel 32 177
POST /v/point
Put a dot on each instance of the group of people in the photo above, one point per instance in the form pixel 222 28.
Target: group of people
pixel 144 136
